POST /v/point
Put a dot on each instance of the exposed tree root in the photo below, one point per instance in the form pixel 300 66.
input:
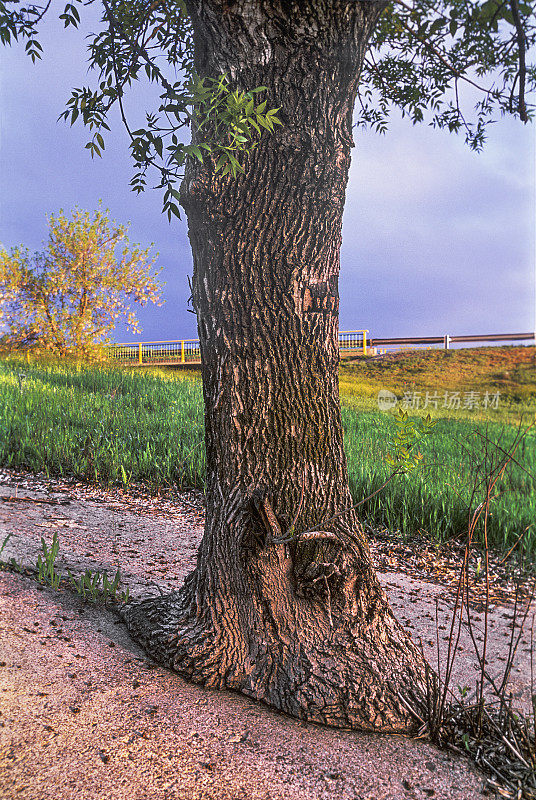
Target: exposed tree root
pixel 321 646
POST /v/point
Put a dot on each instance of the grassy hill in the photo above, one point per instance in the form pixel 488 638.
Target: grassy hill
pixel 508 371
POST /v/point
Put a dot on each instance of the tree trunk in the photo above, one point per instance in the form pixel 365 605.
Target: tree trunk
pixel 304 624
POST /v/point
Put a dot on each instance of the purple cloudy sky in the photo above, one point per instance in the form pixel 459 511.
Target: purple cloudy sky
pixel 437 239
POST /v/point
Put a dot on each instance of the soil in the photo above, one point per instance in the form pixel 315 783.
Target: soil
pixel 85 715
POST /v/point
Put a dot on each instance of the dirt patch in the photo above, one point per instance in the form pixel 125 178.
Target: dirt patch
pixel 84 715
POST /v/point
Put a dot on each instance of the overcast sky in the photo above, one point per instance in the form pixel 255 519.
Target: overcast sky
pixel 436 239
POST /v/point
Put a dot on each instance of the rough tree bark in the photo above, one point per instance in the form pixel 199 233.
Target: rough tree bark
pixel 302 625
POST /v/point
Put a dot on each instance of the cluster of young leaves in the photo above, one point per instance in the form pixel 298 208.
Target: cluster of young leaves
pixel 69 297
pixel 46 570
pixel 404 456
pixel 230 121
pixel 143 39
pixel 95 585
pixel 227 123
pixel 424 51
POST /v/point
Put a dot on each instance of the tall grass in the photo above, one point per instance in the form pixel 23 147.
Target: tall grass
pixel 101 424
pixel 435 500
pixel 116 427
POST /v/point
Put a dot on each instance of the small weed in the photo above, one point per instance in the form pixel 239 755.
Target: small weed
pixel 87 584
pixel 46 563
pixel 126 477
pixel 2 546
pixel 93 585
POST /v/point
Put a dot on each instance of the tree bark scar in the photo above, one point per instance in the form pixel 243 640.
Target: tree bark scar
pixel 269 519
pixel 317 299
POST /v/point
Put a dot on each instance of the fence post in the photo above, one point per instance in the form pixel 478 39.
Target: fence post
pixel 182 351
pixel 447 341
pixel 140 356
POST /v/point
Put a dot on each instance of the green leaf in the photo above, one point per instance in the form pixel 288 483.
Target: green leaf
pixel 196 151
pixel 252 122
pixel 220 162
pixel 436 26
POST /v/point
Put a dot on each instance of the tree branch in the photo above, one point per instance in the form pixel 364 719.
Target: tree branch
pixel 140 51
pixel 522 74
pixel 308 534
pixel 42 14
pixel 437 52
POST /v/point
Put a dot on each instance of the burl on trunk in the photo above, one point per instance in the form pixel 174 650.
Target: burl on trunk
pixel 302 624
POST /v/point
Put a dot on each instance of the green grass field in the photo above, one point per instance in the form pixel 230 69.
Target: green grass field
pixel 117 427
pixel 102 424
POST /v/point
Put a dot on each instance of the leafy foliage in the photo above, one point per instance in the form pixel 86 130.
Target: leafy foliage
pixel 68 298
pixel 424 51
pixel 403 457
pixel 421 54
pixel 137 37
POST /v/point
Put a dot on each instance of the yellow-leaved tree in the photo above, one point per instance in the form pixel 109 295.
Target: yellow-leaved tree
pixel 68 298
